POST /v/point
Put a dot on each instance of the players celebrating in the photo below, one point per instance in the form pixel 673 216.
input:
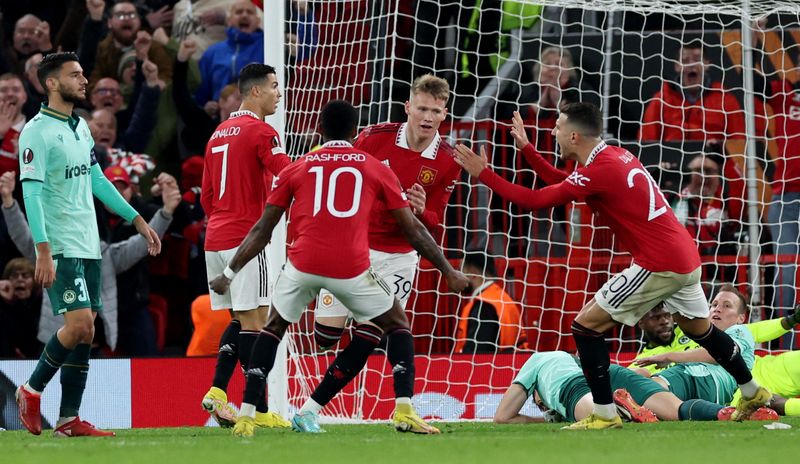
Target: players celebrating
pixel 241 157
pixel 332 192
pixel 424 163
pixel 666 265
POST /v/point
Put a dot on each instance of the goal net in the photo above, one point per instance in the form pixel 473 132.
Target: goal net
pixel 705 94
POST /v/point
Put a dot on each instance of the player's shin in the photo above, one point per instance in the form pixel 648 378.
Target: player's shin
pixel 261 362
pixel 724 350
pixel 247 339
pixel 400 352
pixel 345 367
pixel 227 356
pixel 74 373
pixel 595 363
pixel 50 362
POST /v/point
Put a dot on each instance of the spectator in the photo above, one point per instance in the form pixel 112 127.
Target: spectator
pixel 558 83
pixel 117 258
pixel 199 123
pixel 12 100
pixel 125 30
pixel 222 62
pixel 694 107
pixel 490 320
pixel 704 210
pixel 31 35
pixel 20 300
pixel 33 88
pixel 204 20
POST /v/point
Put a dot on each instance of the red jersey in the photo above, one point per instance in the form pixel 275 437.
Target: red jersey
pixel 785 103
pixel 434 169
pixel 335 189
pixel 616 186
pixel 241 157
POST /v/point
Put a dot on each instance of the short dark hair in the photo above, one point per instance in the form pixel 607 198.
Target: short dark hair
pixel 586 116
pixel 338 120
pixel 479 260
pixel 51 64
pixel 253 74
pixel 694 44
pixel 743 306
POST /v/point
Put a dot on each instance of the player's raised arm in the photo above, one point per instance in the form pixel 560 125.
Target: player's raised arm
pixel 255 241
pixel 549 173
pixel 478 166
pixel 419 237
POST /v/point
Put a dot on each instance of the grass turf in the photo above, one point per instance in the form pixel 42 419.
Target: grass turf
pixel 709 442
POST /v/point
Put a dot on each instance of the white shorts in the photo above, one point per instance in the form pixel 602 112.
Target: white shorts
pixel 250 287
pixel 367 295
pixel 635 291
pixel 396 269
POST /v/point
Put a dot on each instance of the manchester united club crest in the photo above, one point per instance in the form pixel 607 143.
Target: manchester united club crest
pixel 327 300
pixel 426 175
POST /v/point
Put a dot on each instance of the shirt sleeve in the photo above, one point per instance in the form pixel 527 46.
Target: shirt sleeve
pixel 765 331
pixel 32 153
pixel 271 152
pixel 282 188
pixel 549 173
pixel 552 195
pixel 742 337
pixel 105 191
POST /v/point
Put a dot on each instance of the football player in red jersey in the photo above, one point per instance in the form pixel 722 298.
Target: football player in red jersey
pixel 424 163
pixel 241 157
pixel 666 264
pixel 333 193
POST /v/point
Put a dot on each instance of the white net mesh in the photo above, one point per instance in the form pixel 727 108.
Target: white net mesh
pixel 672 81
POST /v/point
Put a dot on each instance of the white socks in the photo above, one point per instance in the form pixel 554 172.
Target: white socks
pixel 248 410
pixel 749 389
pixel 310 405
pixel 606 411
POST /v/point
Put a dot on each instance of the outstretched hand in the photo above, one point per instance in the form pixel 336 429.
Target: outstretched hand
pixel 457 281
pixel 471 162
pixel 518 131
pixel 659 360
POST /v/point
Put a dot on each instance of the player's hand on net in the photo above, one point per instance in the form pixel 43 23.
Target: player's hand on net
pixel 417 197
pixel 219 284
pixel 457 281
pixel 471 162
pixel 518 131
pixel 45 272
pixel 150 235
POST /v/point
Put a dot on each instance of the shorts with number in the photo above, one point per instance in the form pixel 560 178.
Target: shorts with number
pixel 366 295
pixel 250 287
pixel 396 269
pixel 635 291
pixel 77 285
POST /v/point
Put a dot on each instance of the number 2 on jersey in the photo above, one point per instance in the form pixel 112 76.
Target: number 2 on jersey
pixel 224 150
pixel 652 212
pixel 330 203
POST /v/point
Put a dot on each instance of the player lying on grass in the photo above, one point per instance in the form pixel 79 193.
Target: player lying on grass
pixel 332 192
pixel 556 382
pixel 778 373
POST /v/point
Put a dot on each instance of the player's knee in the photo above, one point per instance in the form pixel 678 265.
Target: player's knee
pixel 579 329
pixel 327 336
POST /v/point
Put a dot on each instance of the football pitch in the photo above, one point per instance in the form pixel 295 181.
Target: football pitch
pixel 706 442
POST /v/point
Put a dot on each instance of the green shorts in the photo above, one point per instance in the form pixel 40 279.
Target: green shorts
pixel 641 388
pixel 574 389
pixel 688 387
pixel 77 285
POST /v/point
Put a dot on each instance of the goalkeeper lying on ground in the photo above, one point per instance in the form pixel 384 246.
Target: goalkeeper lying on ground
pixel 780 374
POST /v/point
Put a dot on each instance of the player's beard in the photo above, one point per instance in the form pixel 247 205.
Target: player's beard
pixel 72 97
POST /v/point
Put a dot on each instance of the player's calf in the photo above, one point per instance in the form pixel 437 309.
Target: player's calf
pixel 326 336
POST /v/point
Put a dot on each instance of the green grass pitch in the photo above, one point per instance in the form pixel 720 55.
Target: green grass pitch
pixel 703 442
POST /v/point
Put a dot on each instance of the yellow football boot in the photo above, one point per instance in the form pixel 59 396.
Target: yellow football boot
pixel 595 422
pixel 746 407
pixel 216 403
pixel 271 420
pixel 406 419
pixel 245 426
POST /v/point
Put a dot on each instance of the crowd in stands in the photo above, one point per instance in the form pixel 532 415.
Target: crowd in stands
pixel 162 75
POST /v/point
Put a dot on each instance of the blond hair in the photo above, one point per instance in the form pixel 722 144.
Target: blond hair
pixel 434 86
pixel 563 54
